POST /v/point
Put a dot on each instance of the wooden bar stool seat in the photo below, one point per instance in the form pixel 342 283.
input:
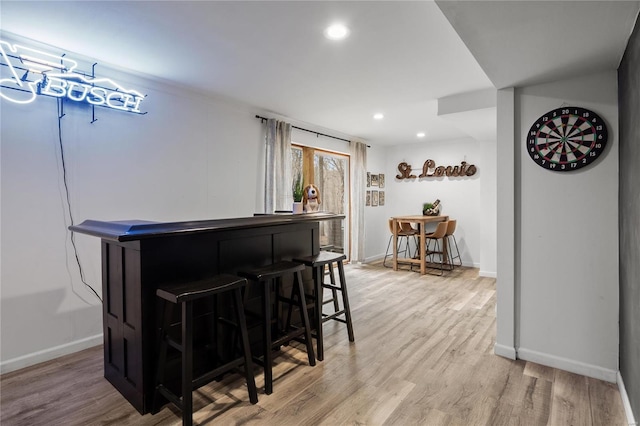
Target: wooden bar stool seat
pixel 318 263
pixel 270 277
pixel 185 295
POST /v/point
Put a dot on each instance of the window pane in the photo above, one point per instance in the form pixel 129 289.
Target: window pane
pixel 330 171
pixel 296 163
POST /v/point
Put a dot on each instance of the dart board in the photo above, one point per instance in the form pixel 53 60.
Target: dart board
pixel 567 139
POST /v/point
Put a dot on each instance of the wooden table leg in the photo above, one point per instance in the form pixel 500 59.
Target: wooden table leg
pixel 423 251
pixel 395 244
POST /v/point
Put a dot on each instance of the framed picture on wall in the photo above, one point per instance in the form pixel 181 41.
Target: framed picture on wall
pixel 381 180
pixel 374 180
pixel 368 180
pixel 374 198
pixel 368 202
pixel 381 198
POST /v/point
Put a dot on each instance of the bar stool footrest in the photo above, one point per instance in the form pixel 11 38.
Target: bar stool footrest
pixel 207 377
pixel 299 331
pixel 170 396
pixel 329 317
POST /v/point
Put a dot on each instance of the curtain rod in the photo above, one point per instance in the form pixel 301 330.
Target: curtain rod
pixel 263 119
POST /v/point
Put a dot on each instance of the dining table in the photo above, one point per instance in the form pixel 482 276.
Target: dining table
pixel 421 220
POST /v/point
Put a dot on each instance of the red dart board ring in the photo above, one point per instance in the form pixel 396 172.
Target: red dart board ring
pixel 567 139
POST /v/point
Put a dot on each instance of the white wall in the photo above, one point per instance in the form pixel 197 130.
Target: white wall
pixel 375 218
pixel 466 199
pixel 189 158
pixel 488 208
pixel 566 240
pixel 505 214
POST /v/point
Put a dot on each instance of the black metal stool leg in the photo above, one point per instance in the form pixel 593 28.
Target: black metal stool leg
pixel 187 363
pixel 213 329
pixel 318 302
pixel 287 323
pixel 334 292
pixel 246 348
pixel 305 317
pixel 277 305
pixel 345 301
pixel 386 253
pixel 162 353
pixel 268 357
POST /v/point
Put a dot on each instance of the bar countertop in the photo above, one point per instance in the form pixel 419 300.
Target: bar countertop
pixel 132 230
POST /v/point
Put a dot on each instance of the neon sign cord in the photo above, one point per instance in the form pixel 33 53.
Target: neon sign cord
pixel 66 190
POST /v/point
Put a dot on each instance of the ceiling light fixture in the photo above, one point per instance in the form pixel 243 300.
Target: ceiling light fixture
pixel 378 116
pixel 336 32
pixel 421 135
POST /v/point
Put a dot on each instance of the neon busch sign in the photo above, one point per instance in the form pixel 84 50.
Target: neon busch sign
pixel 56 75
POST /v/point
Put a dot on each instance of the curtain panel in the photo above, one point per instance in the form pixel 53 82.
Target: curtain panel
pixel 278 181
pixel 358 194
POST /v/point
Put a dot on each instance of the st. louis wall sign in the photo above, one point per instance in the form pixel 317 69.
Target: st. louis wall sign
pixel 429 169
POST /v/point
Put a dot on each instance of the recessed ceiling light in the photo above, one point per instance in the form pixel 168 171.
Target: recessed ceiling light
pixel 378 116
pixel 421 135
pixel 336 32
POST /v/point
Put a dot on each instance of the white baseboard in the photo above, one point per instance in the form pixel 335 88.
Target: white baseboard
pixel 373 258
pixel 569 365
pixel 490 274
pixel 49 354
pixel 625 402
pixel 504 351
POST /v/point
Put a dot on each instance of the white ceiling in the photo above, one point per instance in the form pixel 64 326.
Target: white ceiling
pixel 399 59
pixel 528 42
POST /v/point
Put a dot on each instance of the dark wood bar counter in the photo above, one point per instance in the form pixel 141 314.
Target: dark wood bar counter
pixel 138 256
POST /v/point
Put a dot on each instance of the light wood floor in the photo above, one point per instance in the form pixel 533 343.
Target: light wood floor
pixel 423 356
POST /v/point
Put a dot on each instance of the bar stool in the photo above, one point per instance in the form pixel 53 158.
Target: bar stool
pixel 318 263
pixel 451 229
pixel 185 295
pixel 438 234
pixel 406 228
pixel 270 277
pixel 401 234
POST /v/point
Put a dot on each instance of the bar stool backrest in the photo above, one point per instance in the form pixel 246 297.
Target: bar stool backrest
pixel 401 229
pixel 452 227
pixel 441 230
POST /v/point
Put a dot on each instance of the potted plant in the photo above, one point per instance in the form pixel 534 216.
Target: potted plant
pixel 298 188
pixel 431 209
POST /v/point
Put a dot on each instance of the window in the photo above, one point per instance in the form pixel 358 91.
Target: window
pixel 329 171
